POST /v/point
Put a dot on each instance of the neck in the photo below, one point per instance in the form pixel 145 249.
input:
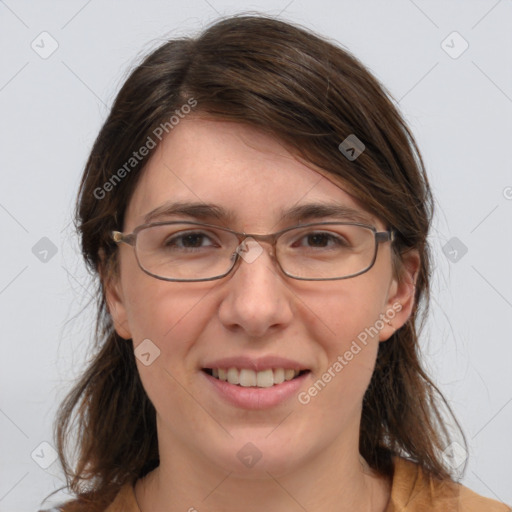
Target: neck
pixel 334 481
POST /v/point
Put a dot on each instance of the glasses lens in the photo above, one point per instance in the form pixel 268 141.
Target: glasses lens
pixel 189 252
pixel 326 251
pixel 185 251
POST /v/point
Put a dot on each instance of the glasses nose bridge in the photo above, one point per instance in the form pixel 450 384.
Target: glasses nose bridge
pixel 270 239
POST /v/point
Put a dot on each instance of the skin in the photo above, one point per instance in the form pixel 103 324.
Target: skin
pixel 310 458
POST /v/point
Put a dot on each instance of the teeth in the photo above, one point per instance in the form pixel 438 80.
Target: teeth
pixel 249 378
pixel 265 379
pixel 233 376
pixel 289 374
pixel 278 376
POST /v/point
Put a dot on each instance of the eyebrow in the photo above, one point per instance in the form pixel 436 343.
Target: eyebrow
pixel 200 211
pixel 300 213
pixel 312 211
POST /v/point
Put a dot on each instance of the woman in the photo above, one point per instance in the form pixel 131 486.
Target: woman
pixel 257 213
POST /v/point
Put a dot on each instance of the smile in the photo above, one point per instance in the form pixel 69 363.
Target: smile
pixel 246 377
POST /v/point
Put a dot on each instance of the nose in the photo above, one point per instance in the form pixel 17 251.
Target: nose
pixel 257 300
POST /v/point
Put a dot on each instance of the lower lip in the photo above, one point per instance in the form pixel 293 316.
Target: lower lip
pixel 256 398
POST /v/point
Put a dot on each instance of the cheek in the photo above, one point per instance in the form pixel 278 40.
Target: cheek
pixel 345 322
pixel 171 315
pixel 344 312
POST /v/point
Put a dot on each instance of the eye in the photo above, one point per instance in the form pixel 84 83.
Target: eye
pixel 189 240
pixel 321 240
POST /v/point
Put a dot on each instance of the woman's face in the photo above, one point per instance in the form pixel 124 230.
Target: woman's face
pixel 255 318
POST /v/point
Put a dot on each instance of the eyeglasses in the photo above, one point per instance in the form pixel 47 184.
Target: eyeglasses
pixel 193 251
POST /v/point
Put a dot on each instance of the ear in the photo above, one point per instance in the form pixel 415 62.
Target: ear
pixel 114 297
pixel 400 301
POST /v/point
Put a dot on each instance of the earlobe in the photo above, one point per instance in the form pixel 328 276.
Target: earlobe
pixel 118 313
pixel 115 302
pixel 401 299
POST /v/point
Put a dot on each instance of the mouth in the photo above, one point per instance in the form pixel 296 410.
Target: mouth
pixel 255 383
pixel 248 378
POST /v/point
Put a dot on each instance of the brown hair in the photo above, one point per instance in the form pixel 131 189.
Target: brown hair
pixel 311 95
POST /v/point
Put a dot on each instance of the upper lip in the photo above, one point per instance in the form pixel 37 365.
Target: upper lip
pixel 258 364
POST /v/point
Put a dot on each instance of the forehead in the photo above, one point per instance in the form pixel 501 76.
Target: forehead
pixel 248 174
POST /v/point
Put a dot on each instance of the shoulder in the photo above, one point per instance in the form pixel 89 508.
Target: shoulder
pixel 414 490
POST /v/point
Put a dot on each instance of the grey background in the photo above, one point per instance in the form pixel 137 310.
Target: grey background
pixel 460 110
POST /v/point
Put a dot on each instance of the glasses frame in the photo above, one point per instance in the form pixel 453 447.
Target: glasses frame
pixel 271 238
